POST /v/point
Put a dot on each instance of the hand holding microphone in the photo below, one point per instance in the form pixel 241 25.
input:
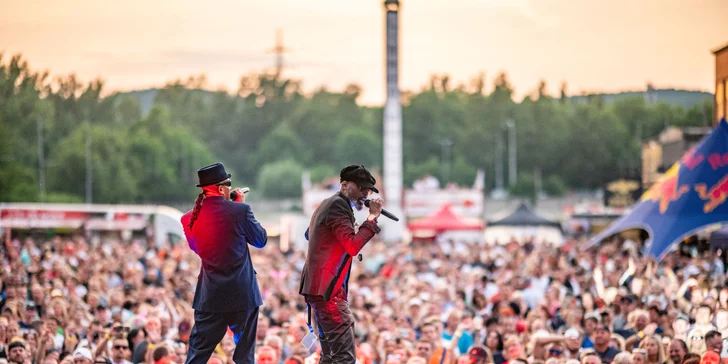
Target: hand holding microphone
pixel 375 208
pixel 238 194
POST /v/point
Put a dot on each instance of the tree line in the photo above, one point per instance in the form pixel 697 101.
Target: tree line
pixel 54 130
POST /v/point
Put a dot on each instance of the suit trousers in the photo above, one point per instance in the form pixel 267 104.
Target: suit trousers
pixel 210 328
pixel 336 328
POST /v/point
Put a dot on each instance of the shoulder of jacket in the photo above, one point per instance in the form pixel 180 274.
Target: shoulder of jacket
pixel 339 201
pixel 239 206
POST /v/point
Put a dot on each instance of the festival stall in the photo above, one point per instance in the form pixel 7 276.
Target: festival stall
pixel 524 225
pixel 445 224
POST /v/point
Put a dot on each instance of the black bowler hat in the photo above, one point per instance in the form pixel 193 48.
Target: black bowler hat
pixel 358 174
pixel 212 174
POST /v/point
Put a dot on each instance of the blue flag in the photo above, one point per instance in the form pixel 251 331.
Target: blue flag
pixel 689 197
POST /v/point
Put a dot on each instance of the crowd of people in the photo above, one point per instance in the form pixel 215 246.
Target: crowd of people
pixel 66 299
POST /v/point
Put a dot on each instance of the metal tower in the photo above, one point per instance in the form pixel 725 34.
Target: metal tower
pixel 279 50
pixel 393 192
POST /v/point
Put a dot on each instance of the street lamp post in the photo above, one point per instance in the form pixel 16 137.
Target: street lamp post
pixel 499 185
pixel 89 164
pixel 446 144
pixel 41 160
pixel 512 162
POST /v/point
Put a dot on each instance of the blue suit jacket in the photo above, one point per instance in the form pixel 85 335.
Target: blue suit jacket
pixel 220 235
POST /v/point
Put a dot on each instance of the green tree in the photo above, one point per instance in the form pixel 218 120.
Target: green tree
pixel 269 130
pixel 358 146
pixel 282 144
pixel 320 172
pixel 281 179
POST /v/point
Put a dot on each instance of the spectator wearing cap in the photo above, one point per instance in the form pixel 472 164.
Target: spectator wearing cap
pixel 479 355
pixel 414 308
pixel 573 343
pixel 627 304
pixel 29 315
pixel 680 327
pixel 602 336
pixel 103 314
pixel 82 355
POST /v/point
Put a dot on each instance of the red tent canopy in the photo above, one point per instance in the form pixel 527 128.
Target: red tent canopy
pixel 445 219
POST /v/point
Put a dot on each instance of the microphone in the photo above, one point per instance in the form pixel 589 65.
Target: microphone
pixel 234 195
pixel 384 212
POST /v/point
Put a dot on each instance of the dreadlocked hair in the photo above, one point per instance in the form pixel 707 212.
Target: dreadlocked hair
pixel 196 210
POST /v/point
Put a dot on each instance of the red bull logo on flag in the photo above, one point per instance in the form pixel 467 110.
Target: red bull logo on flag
pixel 666 190
pixel 715 196
pixel 689 197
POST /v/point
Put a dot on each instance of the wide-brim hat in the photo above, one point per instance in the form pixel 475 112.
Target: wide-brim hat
pixel 361 176
pixel 212 174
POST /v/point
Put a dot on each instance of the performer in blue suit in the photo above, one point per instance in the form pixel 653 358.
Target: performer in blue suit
pixel 227 295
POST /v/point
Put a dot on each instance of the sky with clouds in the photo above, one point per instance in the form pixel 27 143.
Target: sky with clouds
pixel 592 45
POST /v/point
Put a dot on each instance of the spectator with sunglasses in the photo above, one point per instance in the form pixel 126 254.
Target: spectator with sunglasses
pixel 120 350
pixel 227 293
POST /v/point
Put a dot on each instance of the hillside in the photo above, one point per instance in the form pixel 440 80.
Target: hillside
pixel 683 98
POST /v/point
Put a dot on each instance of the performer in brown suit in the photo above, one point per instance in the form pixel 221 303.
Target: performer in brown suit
pixel 332 244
